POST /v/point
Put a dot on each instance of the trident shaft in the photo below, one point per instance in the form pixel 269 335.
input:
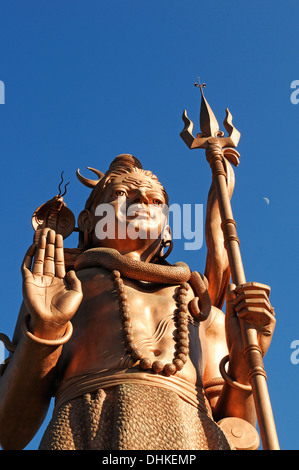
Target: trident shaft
pixel 217 146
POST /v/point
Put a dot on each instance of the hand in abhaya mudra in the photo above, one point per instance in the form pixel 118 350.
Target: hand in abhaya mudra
pixel 51 295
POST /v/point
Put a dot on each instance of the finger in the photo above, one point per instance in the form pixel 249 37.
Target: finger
pixel 252 294
pixel 246 302
pixel 59 257
pixel 253 286
pixel 27 262
pixel 257 316
pixel 49 266
pixel 73 282
pixel 230 297
pixel 38 263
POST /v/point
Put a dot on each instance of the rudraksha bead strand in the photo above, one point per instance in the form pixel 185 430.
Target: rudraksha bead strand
pixel 182 334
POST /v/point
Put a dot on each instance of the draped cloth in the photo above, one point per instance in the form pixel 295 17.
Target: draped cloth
pixel 94 380
pixel 132 416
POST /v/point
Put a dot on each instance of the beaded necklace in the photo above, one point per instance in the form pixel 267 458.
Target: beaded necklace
pixel 182 335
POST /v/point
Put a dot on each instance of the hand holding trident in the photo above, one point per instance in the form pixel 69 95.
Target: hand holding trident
pixel 217 147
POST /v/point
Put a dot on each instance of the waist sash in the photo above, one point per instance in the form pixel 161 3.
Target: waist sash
pixel 79 385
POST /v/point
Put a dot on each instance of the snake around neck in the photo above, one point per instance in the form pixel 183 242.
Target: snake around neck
pixel 179 273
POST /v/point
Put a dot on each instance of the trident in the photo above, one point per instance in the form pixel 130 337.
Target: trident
pixel 217 147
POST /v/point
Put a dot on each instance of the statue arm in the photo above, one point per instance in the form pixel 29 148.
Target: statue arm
pixel 230 402
pixel 51 298
pixel 249 302
pixel 25 388
pixel 217 269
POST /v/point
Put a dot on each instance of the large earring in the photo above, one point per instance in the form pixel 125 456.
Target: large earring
pixel 164 244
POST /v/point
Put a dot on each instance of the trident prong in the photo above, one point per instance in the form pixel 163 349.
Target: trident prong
pixel 210 129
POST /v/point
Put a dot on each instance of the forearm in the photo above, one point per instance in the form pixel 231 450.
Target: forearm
pixel 235 403
pixel 236 398
pixel 25 391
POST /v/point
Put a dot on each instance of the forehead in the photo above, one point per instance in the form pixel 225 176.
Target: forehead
pixel 136 181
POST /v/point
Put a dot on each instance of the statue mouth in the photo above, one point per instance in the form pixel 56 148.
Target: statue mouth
pixel 142 214
pixel 134 212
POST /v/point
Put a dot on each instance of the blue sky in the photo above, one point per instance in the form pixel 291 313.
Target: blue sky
pixel 88 80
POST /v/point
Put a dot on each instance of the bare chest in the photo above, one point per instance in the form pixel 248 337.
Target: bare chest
pixel 116 301
pixel 119 317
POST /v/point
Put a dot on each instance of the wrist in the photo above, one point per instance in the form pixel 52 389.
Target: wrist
pixel 48 338
pixel 45 330
pixel 239 374
pixel 237 367
pixel 237 381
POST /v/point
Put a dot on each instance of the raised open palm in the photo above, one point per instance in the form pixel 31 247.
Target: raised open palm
pixel 51 296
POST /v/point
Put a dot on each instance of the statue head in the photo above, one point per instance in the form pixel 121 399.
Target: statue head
pixel 130 204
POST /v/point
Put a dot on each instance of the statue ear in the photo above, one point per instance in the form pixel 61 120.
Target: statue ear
pixel 85 227
pixel 166 236
pixel 84 221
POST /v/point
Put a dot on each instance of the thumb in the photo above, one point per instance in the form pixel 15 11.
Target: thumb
pixel 231 292
pixel 73 281
pixel 232 326
pixel 230 297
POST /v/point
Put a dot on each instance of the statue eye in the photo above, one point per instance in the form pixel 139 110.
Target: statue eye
pixel 157 202
pixel 120 192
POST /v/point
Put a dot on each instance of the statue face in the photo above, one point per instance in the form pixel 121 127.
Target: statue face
pixel 137 214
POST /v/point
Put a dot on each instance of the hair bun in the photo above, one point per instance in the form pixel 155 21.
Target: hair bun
pixel 124 161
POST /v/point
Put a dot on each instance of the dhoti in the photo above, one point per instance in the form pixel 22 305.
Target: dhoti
pixel 132 416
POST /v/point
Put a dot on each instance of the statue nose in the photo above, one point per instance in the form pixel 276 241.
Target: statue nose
pixel 141 198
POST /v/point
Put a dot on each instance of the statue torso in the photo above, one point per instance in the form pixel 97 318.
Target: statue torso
pixel 98 343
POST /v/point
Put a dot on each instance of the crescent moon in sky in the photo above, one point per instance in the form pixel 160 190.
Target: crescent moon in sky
pixel 267 200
